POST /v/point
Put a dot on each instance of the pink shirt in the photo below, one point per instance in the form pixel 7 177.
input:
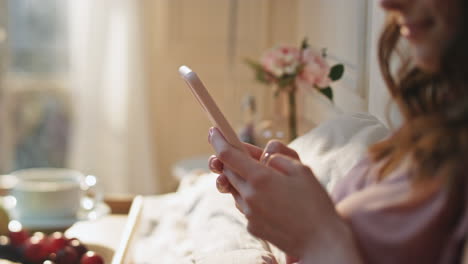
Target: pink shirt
pixel 396 222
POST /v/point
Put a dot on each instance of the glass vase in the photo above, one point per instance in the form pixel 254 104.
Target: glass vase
pixel 283 118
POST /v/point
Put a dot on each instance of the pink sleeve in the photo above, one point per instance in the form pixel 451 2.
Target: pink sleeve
pixel 394 221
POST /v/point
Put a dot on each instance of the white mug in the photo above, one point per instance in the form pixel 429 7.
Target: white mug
pixel 50 193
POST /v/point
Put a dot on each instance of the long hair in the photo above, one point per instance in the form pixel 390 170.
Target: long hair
pixel 434 106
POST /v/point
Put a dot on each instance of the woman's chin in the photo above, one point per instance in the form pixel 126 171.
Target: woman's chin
pixel 427 58
pixel 429 64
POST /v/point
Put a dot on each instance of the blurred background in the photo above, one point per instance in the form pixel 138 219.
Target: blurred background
pixel 93 85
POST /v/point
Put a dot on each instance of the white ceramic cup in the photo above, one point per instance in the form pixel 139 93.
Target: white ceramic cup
pixel 50 193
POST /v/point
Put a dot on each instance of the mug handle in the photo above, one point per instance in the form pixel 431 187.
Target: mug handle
pixel 93 194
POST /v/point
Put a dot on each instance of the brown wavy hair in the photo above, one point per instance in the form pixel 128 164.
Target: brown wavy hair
pixel 434 134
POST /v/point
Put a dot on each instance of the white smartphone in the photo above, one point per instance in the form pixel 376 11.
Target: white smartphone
pixel 209 105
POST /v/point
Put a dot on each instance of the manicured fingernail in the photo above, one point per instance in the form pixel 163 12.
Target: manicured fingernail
pixel 264 158
pixel 210 134
pixel 222 184
pixel 210 162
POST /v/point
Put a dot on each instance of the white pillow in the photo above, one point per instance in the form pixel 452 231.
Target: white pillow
pixel 336 145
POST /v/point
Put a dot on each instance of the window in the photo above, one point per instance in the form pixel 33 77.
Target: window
pixel 37 39
pixel 36 109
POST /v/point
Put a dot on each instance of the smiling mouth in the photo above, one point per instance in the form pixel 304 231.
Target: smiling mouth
pixel 415 30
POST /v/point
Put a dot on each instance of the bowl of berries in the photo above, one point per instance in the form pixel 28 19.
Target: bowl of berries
pixel 19 246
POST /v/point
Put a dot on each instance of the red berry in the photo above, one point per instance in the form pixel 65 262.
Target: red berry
pixel 57 241
pixel 17 238
pixel 79 247
pixel 39 235
pixel 35 250
pixel 91 258
pixel 67 255
pixel 52 257
pixel 43 240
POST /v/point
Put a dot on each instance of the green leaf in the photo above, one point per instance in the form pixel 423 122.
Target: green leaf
pixel 253 64
pixel 304 44
pixel 260 76
pixel 286 80
pixel 336 72
pixel 328 92
pixel 260 73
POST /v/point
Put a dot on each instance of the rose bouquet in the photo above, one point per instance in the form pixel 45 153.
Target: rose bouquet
pixel 289 68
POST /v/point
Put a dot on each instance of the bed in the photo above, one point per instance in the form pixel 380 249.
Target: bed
pixel 196 224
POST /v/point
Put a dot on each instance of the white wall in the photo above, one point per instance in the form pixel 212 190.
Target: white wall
pixel 341 27
pixel 350 29
pixel 379 98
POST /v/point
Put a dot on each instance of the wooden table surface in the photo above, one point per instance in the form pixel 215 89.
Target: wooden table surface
pixel 107 230
pixel 119 203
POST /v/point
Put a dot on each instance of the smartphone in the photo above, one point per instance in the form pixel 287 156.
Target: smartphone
pixel 209 105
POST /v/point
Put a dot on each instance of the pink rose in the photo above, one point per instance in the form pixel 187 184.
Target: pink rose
pixel 315 71
pixel 281 60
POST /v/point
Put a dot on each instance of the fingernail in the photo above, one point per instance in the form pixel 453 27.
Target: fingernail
pixel 210 134
pixel 210 162
pixel 264 158
pixel 222 184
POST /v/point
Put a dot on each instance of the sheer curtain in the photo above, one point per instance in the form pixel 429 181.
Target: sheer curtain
pixel 111 133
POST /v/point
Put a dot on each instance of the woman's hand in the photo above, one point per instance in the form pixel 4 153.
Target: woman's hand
pixel 283 203
pixel 217 166
pixel 273 147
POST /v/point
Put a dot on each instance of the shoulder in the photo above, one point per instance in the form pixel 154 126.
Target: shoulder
pixel 355 180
